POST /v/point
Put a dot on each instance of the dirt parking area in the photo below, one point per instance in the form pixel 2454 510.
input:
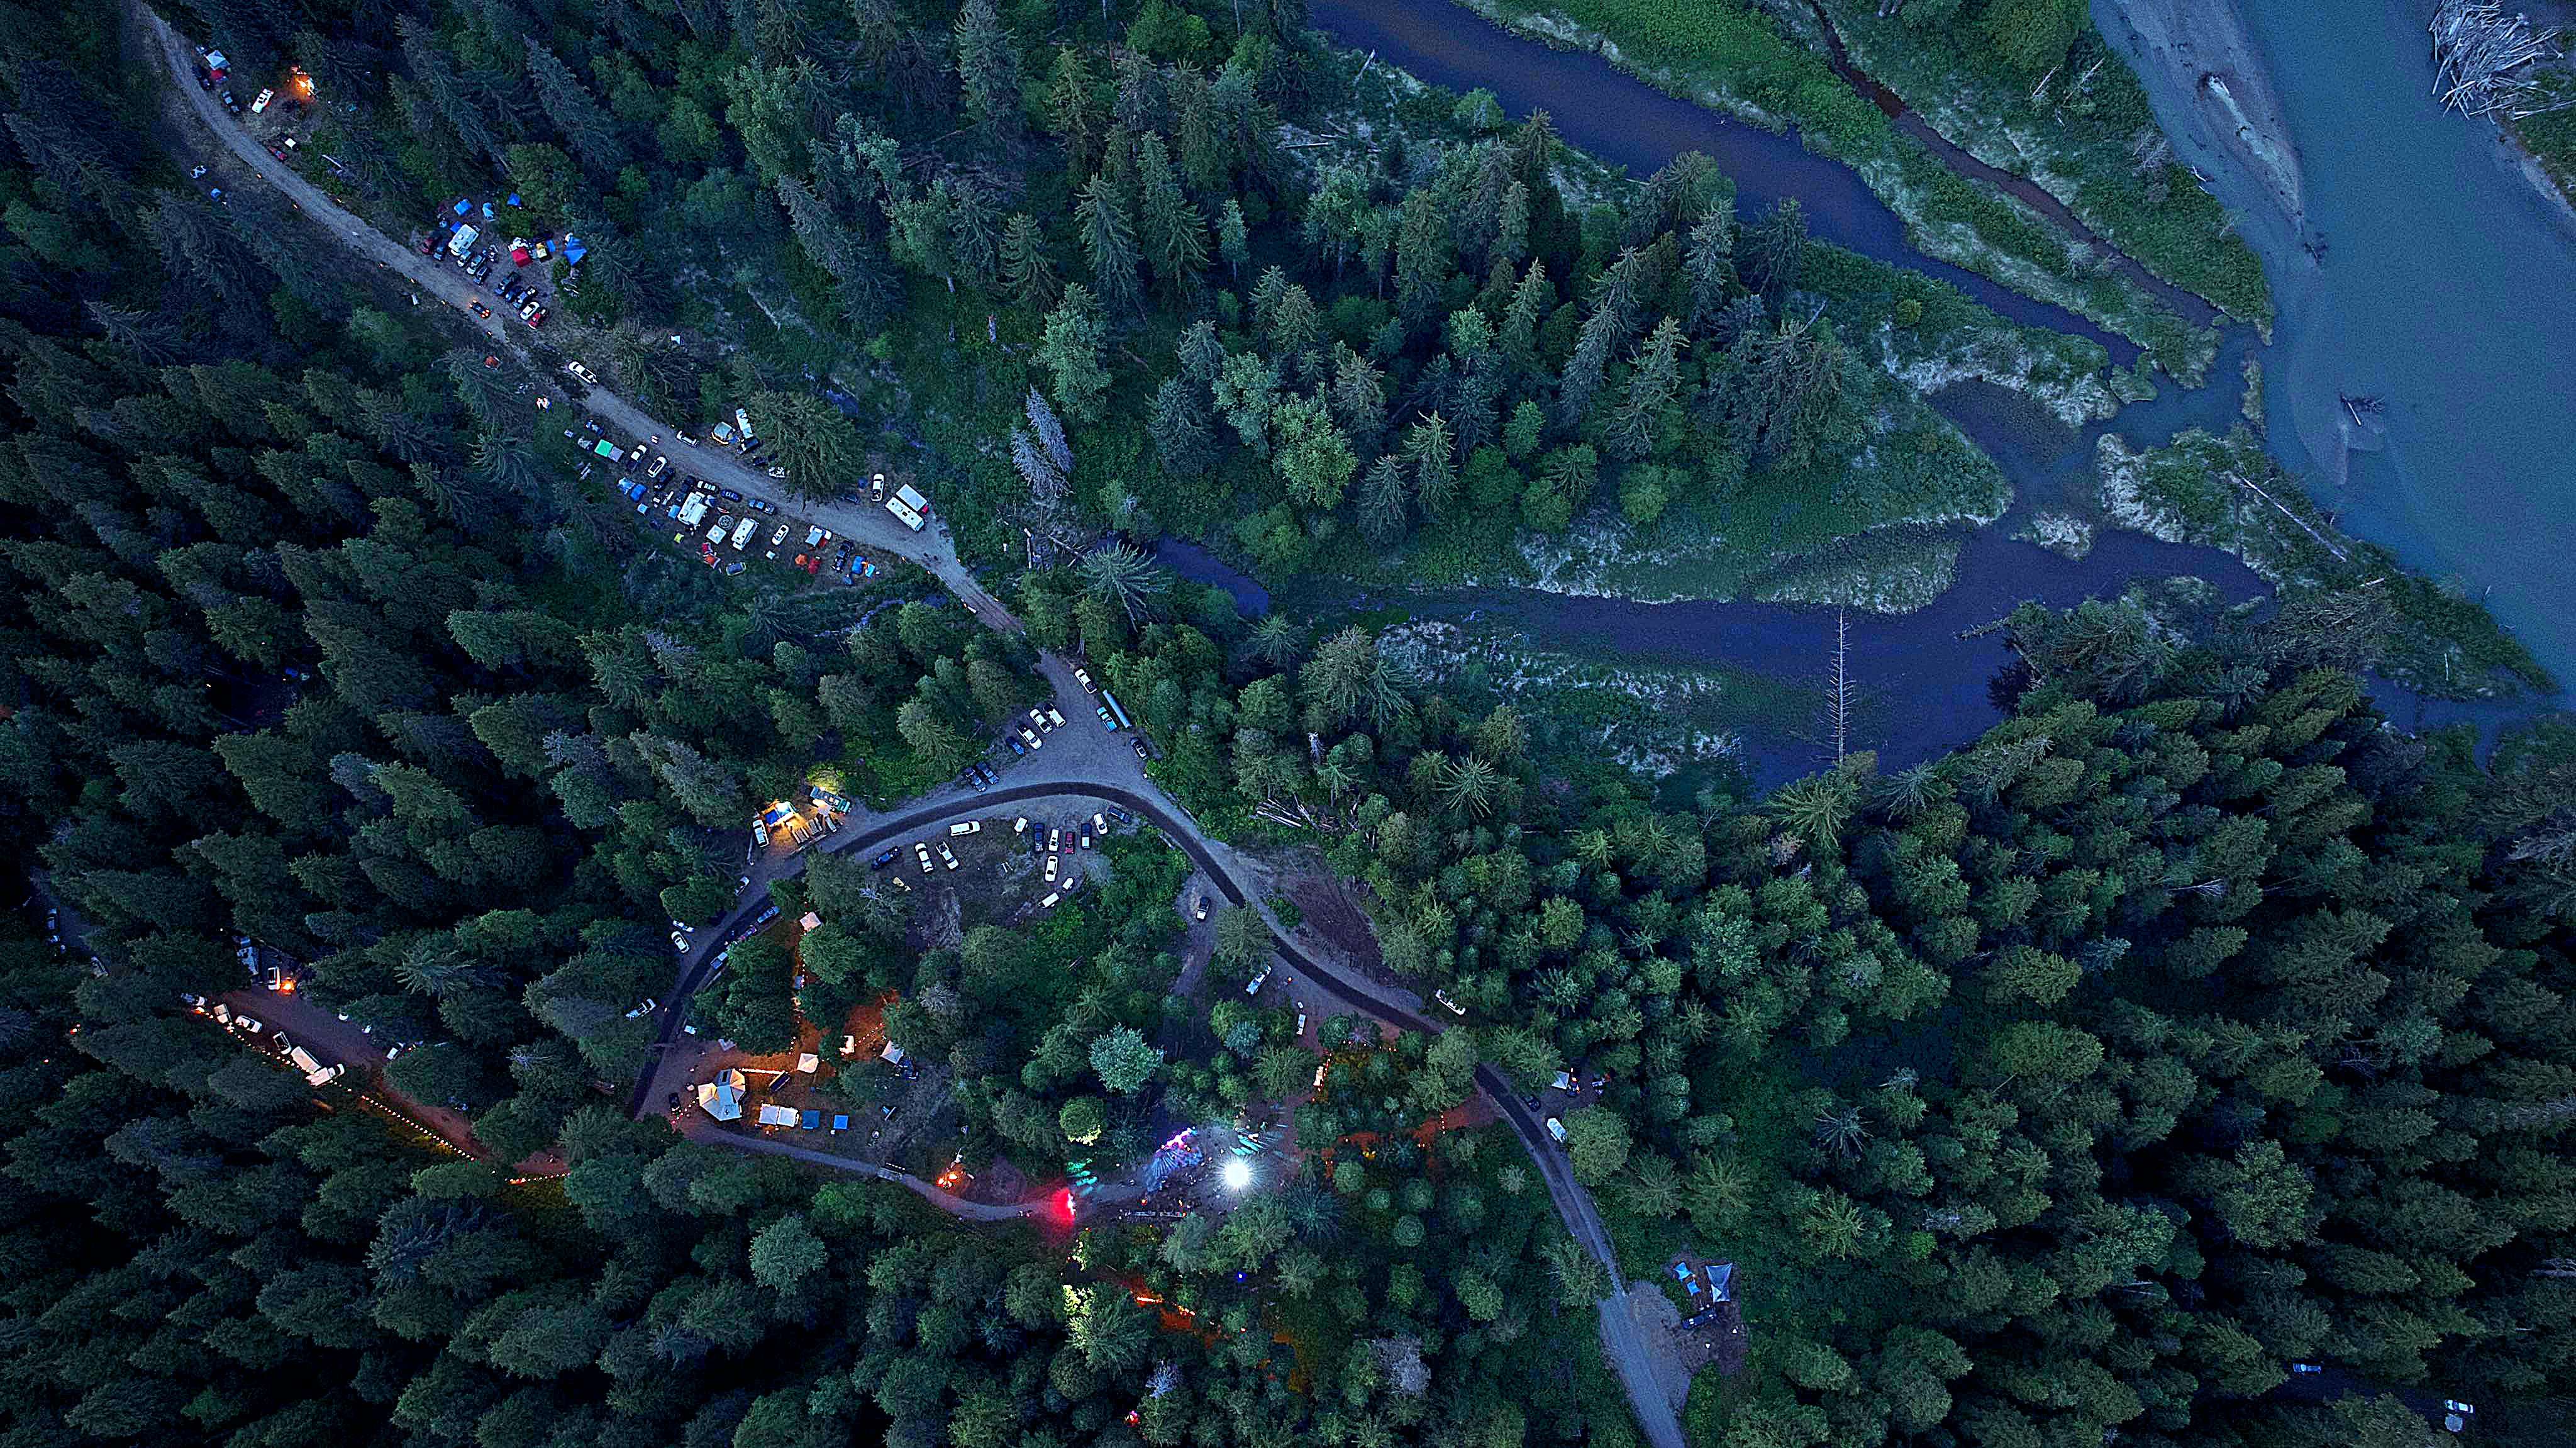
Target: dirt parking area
pixel 1712 1336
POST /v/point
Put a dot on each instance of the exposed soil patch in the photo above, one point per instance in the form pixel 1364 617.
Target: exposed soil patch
pixel 1330 909
pixel 1720 1343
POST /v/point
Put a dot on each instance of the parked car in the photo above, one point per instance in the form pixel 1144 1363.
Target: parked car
pixel 779 536
pixel 886 857
pixel 1198 910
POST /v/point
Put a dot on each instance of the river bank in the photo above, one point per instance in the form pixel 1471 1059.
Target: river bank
pixel 2198 54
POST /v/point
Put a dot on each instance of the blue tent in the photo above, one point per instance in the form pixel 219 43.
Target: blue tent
pixel 514 198
pixel 462 207
pixel 573 250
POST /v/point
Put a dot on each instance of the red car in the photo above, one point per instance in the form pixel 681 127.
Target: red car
pixel 537 318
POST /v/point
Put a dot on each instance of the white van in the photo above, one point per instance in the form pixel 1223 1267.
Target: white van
pixel 742 532
pixel 966 827
pixel 909 507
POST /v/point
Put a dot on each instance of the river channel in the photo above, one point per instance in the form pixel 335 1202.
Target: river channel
pixel 2430 273
pixel 1930 661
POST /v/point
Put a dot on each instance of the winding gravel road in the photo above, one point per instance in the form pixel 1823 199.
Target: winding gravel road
pixel 1109 775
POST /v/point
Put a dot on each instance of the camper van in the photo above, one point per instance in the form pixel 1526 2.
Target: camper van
pixel 909 506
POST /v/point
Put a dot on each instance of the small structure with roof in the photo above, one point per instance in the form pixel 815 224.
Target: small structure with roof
pixel 721 1098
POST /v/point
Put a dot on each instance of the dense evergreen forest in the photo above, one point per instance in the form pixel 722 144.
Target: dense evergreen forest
pixel 2061 1091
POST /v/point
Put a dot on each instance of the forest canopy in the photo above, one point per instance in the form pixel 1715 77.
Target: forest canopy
pixel 2190 1026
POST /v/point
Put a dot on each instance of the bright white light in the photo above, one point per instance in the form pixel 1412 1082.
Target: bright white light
pixel 1237 1174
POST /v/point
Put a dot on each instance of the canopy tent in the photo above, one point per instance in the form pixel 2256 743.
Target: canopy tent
pixel 722 1097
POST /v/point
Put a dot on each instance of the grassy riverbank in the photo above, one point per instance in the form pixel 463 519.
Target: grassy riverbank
pixel 2227 493
pixel 2083 131
pixel 1654 717
pixel 1723 56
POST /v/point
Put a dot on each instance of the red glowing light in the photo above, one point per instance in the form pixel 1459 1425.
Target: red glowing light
pixel 1064 1203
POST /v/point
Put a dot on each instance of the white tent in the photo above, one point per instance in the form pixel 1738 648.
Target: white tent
pixel 722 1097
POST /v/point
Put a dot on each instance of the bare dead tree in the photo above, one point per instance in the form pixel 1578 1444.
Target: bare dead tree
pixel 1838 691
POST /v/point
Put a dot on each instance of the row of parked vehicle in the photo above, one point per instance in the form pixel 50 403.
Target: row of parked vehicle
pixel 514 289
pixel 252 1029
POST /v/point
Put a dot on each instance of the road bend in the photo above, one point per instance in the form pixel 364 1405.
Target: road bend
pixel 934 551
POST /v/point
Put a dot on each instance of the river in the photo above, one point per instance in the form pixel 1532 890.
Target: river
pixel 2446 287
pixel 1920 658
